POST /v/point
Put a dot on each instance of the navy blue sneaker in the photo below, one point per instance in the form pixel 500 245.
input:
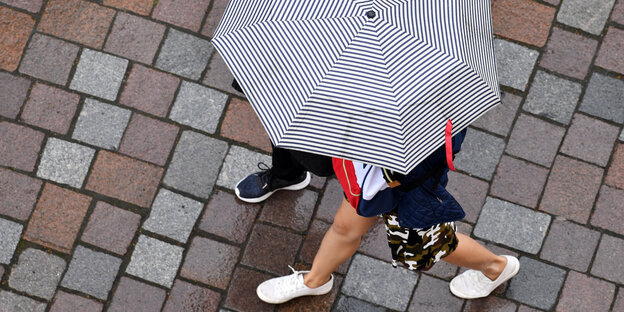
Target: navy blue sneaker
pixel 260 185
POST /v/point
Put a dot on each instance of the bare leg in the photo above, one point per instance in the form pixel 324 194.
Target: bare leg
pixel 340 242
pixel 472 255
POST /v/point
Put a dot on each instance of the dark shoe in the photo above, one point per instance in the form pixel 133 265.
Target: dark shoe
pixel 260 185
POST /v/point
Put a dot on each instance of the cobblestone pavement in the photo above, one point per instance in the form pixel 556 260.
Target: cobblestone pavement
pixel 121 140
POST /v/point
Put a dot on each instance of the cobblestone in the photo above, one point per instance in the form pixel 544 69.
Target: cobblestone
pixel 195 163
pixel 519 181
pixel 524 20
pixel 19 146
pixel 430 292
pixel 537 284
pixel 500 118
pixel 514 63
pixel 535 140
pixel 290 209
pixel 615 174
pixel 149 90
pixel 480 154
pixel 584 293
pixel 37 273
pixel 13 90
pixel 91 272
pixel 183 54
pixel 350 304
pixel 238 164
pixel 65 162
pixel 242 124
pixel 590 139
pixel 603 98
pixel 142 7
pixel 210 262
pixel 173 215
pixel 228 218
pixel 101 124
pixel 14 32
pixel 66 302
pixel 10 233
pixel 198 107
pixel 49 59
pixel 570 245
pixel 134 38
pixel 183 13
pixel 569 53
pixel 589 16
pixel 469 192
pixel 132 295
pixel 32 6
pixel 18 194
pixel 99 74
pixel 271 249
pixel 512 225
pixel 188 297
pixel 149 139
pixel 552 97
pixel 50 108
pixel 111 228
pixel 155 261
pixel 15 302
pixel 607 263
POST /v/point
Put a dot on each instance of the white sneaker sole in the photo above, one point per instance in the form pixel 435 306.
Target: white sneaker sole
pixel 294 187
pixel 513 273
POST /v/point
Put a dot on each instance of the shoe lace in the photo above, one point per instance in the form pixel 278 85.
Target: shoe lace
pixel 265 175
pixel 294 281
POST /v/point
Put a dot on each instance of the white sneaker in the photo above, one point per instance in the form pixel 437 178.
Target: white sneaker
pixel 473 284
pixel 281 289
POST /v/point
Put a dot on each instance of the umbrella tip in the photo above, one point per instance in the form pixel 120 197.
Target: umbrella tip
pixel 371 14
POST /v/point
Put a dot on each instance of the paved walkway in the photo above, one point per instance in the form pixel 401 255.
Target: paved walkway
pixel 121 140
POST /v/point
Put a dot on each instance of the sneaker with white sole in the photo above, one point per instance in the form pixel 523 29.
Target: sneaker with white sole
pixel 281 289
pixel 473 284
pixel 259 186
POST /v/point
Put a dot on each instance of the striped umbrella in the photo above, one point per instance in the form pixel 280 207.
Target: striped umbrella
pixel 376 81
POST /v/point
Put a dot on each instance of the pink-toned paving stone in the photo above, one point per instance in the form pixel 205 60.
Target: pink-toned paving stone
pixel 583 293
pixel 244 283
pixel 615 175
pixel 518 181
pixel 214 16
pixel 618 12
pixel 608 213
pixel 124 178
pixel 590 139
pixel 611 54
pixel 312 242
pixel 111 228
pixel 619 301
pixel 15 28
pixel 242 124
pixel 13 91
pixel 271 249
pixel 469 192
pixel 188 297
pixel 229 218
pixel 313 303
pixel 49 59
pixel 210 262
pixel 149 90
pixel 571 189
pixel 148 139
pixel 50 108
pixel 32 6
pixel 143 7
pixel 290 209
pixel 183 13
pixel 135 296
pixel 523 20
pixel 134 37
pixel 69 302
pixel 569 53
pixel 18 194
pixel 77 20
pixel 57 218
pixel 19 146
pixel 490 303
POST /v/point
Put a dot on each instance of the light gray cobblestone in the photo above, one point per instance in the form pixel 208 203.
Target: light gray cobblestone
pixel 155 261
pixel 10 233
pixel 185 55
pixel 91 272
pixel 65 162
pixel 101 124
pixel 239 163
pixel 198 107
pixel 37 273
pixel 514 63
pixel 99 74
pixel 173 215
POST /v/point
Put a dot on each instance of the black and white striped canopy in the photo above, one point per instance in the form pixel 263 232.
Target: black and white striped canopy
pixel 368 80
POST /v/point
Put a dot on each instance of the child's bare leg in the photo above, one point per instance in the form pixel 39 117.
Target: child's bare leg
pixel 340 242
pixel 472 255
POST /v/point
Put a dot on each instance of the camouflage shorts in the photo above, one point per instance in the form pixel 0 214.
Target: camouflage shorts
pixel 419 249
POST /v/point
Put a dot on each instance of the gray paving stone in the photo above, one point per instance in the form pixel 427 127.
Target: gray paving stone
pixel 348 304
pixel 552 97
pixel 37 273
pixel 514 63
pixel 500 118
pixel 11 302
pixel 101 124
pixel 430 292
pixel 184 54
pixel 589 16
pixel 366 274
pixel 91 272
pixel 603 98
pixel 198 107
pixel 99 74
pixel 512 225
pixel 65 162
pixel 537 284
pixel 239 163
pixel 622 136
pixel 195 164
pixel 480 154
pixel 10 233
pixel 608 263
pixel 155 261
pixel 173 215
pixel 570 245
